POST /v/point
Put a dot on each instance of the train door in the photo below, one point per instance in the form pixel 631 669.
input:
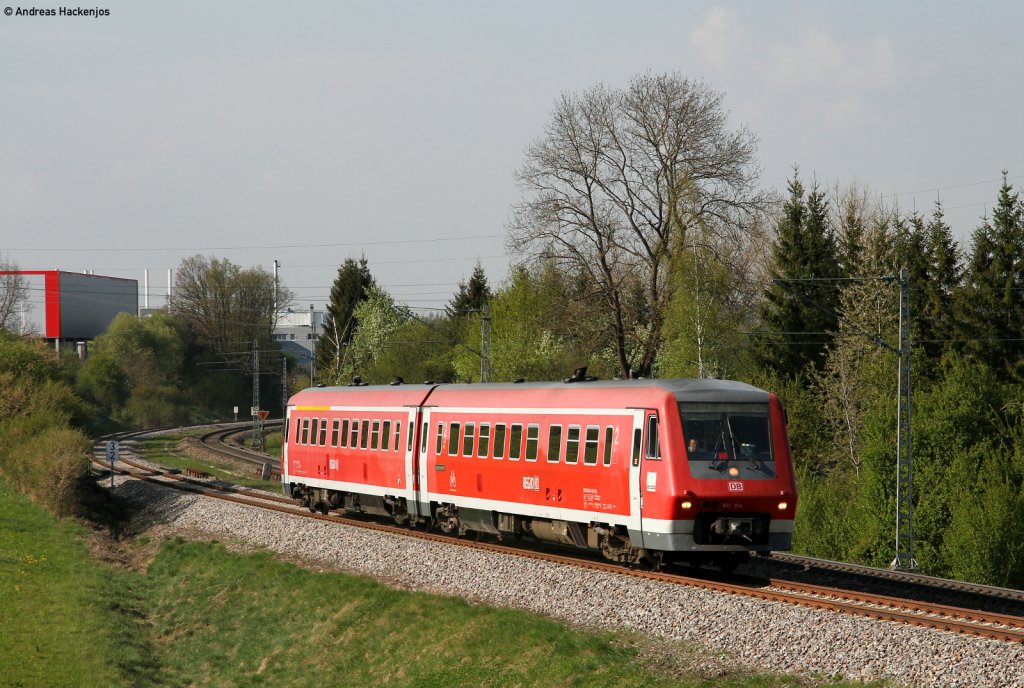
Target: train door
pixel 418 463
pixel 636 494
pixel 412 461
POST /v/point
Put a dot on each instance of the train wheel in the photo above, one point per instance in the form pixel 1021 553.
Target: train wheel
pixel 648 560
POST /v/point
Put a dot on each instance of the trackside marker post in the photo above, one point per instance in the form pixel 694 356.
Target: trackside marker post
pixel 113 454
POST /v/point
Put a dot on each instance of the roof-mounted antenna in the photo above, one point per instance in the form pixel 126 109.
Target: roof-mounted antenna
pixel 397 381
pixel 357 382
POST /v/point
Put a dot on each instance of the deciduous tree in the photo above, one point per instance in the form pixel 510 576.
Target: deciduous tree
pixel 13 296
pixel 616 181
pixel 227 308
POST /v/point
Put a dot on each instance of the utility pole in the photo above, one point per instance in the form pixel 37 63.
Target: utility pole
pixel 284 389
pixel 257 438
pixel 904 560
pixel 485 344
pixel 904 475
pixel 276 307
pixel 312 347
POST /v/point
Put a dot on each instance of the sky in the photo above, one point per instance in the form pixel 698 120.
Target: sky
pixel 310 132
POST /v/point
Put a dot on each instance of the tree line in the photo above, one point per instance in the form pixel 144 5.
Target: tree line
pixel 645 246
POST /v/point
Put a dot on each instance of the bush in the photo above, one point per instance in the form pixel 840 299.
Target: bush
pixel 42 455
pixel 51 468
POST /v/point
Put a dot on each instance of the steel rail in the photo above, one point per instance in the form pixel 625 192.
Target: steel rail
pixel 939 617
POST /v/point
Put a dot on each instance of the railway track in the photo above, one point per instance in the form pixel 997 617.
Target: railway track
pixel 217 440
pixel 983 618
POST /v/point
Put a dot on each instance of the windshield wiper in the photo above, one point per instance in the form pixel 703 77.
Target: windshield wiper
pixel 717 463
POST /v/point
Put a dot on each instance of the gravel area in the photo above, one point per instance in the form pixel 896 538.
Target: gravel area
pixel 735 631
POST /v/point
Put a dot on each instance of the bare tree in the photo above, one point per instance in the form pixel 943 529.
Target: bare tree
pixel 226 307
pixel 615 183
pixel 14 299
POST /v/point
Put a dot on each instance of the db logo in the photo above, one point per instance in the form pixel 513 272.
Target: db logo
pixel 735 486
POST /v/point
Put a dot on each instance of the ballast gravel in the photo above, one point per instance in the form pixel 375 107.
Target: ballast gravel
pixel 736 631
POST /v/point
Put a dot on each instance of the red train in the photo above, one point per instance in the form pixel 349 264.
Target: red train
pixel 645 471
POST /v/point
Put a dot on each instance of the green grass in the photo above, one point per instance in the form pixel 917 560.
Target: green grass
pixel 64 619
pixel 222 620
pixel 201 616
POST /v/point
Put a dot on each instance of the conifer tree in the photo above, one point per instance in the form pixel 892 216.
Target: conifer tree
pixel 472 295
pixel 992 307
pixel 351 287
pixel 800 315
pixel 936 319
pixel 852 226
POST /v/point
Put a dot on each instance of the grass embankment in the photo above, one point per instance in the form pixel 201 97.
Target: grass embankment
pixel 201 616
pixel 65 620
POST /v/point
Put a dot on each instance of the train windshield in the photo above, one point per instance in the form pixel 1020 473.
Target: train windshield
pixel 728 441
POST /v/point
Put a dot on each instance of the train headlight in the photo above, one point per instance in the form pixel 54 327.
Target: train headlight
pixel 687 505
pixel 783 506
pixel 734 471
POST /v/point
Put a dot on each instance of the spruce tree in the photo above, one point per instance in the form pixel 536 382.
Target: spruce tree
pixel 351 287
pixel 471 296
pixel 992 307
pixel 800 314
pixel 935 320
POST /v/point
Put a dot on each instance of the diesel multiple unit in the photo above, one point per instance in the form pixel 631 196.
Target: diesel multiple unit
pixel 644 471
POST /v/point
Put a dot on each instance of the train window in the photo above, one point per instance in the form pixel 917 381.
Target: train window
pixel 385 435
pixel 499 441
pixel 467 439
pixel 653 447
pixel 285 433
pixel 365 432
pixel 355 434
pixel 323 432
pixel 298 429
pixel 483 445
pixel 398 435
pixel 453 440
pixel 554 443
pixel 636 447
pixel 423 438
pixel 515 442
pixel 572 444
pixel 590 450
pixel 344 433
pixel 305 431
pixel 609 435
pixel 728 440
pixel 440 438
pixel 532 439
pixel 335 428
pixel 313 430
pixel 375 435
